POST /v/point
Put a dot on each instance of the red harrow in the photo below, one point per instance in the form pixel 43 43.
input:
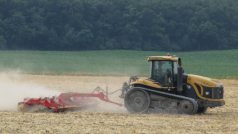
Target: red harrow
pixel 65 101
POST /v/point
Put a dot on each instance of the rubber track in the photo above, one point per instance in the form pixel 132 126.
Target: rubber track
pixel 193 101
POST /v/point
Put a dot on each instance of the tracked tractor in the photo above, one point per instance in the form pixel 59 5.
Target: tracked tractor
pixel 168 87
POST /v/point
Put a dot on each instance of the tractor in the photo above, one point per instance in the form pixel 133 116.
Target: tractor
pixel 169 87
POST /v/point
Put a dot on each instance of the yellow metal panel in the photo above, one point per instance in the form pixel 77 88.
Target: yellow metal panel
pixel 147 82
pixel 169 58
pixel 200 80
pixel 151 83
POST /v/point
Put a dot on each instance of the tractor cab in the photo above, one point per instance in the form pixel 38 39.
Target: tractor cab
pixel 166 70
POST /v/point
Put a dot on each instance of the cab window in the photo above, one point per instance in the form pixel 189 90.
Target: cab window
pixel 162 72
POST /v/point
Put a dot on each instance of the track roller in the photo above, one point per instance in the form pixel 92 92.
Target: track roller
pixel 186 107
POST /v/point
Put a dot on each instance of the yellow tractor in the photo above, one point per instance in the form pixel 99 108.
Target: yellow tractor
pixel 169 88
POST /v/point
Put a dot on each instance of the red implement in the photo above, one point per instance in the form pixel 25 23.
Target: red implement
pixel 65 101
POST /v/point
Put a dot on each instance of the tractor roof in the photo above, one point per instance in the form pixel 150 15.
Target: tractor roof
pixel 167 58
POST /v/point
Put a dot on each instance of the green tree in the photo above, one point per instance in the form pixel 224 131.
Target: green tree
pixel 167 25
pixel 3 42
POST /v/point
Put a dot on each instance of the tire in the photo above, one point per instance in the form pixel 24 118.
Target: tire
pixel 201 110
pixel 137 101
pixel 186 107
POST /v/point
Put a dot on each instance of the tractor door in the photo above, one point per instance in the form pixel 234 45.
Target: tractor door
pixel 162 72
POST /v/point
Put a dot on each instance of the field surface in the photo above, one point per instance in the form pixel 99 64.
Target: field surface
pixel 219 64
pixel 113 119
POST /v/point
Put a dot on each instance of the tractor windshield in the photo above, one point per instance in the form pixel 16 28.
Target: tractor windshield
pixel 161 71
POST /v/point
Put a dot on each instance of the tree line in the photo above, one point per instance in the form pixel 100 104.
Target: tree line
pixel 164 25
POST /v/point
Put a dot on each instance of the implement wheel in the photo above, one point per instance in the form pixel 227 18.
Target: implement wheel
pixel 137 100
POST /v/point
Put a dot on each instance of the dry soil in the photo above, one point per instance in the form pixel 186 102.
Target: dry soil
pixel 112 119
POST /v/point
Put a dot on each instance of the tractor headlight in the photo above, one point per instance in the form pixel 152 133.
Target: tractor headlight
pixel 189 87
pixel 207 93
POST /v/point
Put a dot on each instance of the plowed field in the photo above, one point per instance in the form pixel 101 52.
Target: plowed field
pixel 112 119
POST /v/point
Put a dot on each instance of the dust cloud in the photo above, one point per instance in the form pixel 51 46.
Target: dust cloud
pixel 13 90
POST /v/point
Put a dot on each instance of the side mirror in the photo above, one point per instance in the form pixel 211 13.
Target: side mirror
pixel 180 79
